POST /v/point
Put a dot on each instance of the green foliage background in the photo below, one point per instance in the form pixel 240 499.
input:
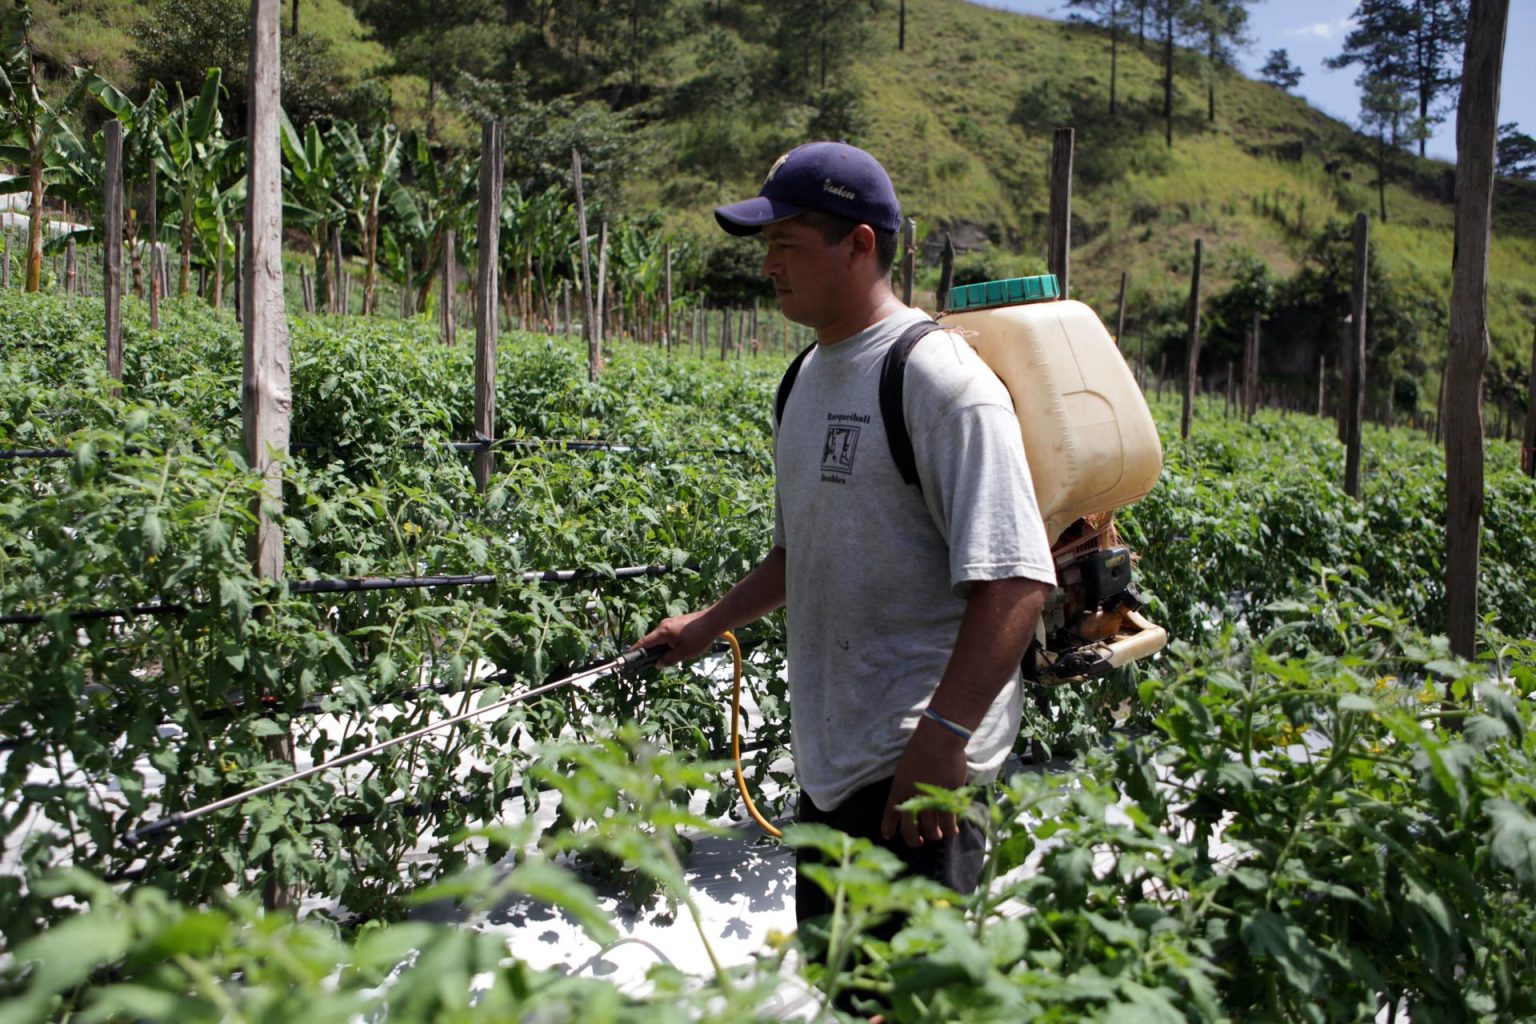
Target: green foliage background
pixel 1372 852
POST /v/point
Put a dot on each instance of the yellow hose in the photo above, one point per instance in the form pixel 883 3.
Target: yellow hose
pixel 741 780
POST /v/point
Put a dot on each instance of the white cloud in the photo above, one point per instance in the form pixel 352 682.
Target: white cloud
pixel 1323 29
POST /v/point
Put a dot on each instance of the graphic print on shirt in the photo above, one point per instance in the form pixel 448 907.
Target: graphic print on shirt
pixel 840 447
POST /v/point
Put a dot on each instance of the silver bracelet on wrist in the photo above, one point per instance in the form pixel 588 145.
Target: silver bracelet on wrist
pixel 954 727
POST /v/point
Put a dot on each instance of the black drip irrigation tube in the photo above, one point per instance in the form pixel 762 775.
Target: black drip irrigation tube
pixel 358 584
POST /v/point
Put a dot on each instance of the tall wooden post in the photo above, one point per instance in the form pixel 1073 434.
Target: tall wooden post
pixel 901 33
pixel 594 349
pixel 601 326
pixel 266 397
pixel 1059 225
pixel 152 211
pixel 71 272
pixel 448 330
pixel 908 259
pixel 666 296
pixel 1476 130
pixel 407 303
pixel 239 273
pixel 1251 385
pixel 5 259
pixel 946 273
pixel 1354 392
pixel 112 248
pixel 1528 445
pixel 1192 363
pixel 1120 314
pixel 337 296
pixel 1322 375
pixel 487 311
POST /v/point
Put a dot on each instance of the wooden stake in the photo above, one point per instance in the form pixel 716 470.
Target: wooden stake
pixel 265 395
pixel 594 349
pixel 1059 224
pixel 448 330
pixel 1322 371
pixel 1192 364
pixel 1476 132
pixel 488 308
pixel 666 296
pixel 1251 388
pixel 338 295
pixel 1528 448
pixel 946 273
pixel 1120 314
pixel 71 274
pixel 239 273
pixel 1354 393
pixel 908 259
pixel 602 283
pixel 112 248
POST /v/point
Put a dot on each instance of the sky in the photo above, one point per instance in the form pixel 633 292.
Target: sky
pixel 1312 30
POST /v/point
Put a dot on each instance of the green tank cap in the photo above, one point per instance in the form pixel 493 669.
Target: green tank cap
pixel 1013 291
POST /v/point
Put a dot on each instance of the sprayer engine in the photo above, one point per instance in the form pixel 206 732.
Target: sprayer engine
pixel 1092 622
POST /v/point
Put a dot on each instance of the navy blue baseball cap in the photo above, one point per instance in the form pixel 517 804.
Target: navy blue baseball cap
pixel 832 177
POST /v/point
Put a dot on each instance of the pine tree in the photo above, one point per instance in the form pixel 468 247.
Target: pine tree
pixel 1279 71
pixel 1108 13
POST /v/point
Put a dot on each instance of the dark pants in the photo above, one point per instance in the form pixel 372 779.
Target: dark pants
pixel 955 862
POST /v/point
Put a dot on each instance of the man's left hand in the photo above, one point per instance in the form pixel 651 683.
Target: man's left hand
pixel 935 756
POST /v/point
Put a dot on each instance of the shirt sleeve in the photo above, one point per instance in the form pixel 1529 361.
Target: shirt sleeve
pixel 976 482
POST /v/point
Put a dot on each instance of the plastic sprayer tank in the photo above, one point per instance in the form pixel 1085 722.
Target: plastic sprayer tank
pixel 1088 434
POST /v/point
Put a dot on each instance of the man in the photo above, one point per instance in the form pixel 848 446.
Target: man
pixel 909 607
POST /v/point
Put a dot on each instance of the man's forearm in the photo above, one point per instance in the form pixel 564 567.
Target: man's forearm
pixel 759 593
pixel 999 622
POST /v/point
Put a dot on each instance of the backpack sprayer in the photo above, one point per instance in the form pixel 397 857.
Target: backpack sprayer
pixel 1092 449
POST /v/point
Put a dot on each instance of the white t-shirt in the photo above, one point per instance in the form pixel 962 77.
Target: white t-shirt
pixel 877 571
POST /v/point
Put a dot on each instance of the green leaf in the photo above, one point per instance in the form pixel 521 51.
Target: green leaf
pixel 67 954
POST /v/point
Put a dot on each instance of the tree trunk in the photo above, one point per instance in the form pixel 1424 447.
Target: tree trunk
pixel 1476 133
pixel 1114 54
pixel 1168 73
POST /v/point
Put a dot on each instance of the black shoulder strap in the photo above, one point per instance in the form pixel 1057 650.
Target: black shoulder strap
pixel 788 381
pixel 893 374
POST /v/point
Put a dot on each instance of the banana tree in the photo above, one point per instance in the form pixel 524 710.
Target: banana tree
pixel 197 162
pixel 32 133
pixel 537 240
pixel 143 126
pixel 437 195
pixel 311 182
pixel 370 169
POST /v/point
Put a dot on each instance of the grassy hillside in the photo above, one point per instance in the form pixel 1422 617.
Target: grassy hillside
pixel 964 118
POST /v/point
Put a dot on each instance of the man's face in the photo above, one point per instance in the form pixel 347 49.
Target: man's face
pixel 810 276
